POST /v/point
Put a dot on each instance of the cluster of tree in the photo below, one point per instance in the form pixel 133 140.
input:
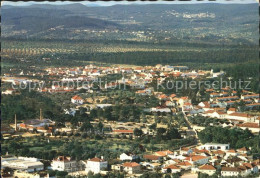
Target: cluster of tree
pixel 53 173
pixel 27 105
pixel 118 113
pixel 236 137
pixel 205 121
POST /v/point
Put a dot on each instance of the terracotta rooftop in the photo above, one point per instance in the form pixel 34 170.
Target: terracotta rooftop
pixel 249 125
pixel 207 167
pixel 123 131
pixel 171 167
pixel 76 97
pixel 151 157
pixel 230 169
pixel 131 164
pixel 97 160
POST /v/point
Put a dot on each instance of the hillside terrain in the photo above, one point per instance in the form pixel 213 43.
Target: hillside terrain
pixel 215 23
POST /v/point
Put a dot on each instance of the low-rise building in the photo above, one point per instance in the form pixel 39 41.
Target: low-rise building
pixel 63 163
pixel 229 171
pixel 171 169
pixel 22 164
pixel 77 100
pixel 95 165
pixel 128 156
pixel 215 146
pixel 197 159
pixel 131 167
pixel 207 169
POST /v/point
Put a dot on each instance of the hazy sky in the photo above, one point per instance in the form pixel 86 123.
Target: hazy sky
pixel 102 3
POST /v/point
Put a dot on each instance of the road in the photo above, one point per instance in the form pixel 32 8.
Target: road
pixel 191 131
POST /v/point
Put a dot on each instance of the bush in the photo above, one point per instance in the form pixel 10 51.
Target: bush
pixel 61 173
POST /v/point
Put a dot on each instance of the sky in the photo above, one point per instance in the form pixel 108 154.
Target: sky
pixel 110 3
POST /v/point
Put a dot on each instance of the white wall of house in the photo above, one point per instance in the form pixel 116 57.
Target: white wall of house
pixel 229 173
pixel 95 166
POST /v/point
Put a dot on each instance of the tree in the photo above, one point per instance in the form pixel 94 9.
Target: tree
pixel 173 133
pixel 138 132
pixel 86 126
pixel 100 126
pixel 61 173
pixel 161 131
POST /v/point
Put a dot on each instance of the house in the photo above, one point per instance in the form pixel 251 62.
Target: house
pixel 212 95
pixel 243 97
pixel 95 165
pixel 205 105
pixel 241 116
pixel 228 98
pixel 128 156
pixel 163 153
pixel 171 169
pixel 253 127
pixel 185 150
pixel 231 153
pixel 215 146
pixel 242 150
pixel 25 164
pixel 152 158
pixel 218 114
pixel 219 153
pixel 77 100
pixel 197 159
pixel 123 132
pixel 131 167
pixel 252 167
pixel 187 107
pixel 230 171
pixel 184 165
pixel 63 163
pixel 8 92
pixel 231 110
pixel 160 109
pixel 169 103
pixel 207 169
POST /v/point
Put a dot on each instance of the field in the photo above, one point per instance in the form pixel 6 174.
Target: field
pixel 129 53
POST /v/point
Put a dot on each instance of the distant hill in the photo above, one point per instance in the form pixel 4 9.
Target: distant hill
pixel 200 21
pixel 35 19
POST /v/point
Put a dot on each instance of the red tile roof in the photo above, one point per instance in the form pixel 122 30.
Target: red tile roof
pixel 131 164
pixel 151 157
pixel 171 167
pixel 184 163
pixel 207 167
pixel 249 125
pixel 97 160
pixel 195 157
pixel 164 153
pixel 230 169
pixel 76 97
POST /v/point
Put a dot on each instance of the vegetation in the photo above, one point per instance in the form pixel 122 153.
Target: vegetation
pixel 237 138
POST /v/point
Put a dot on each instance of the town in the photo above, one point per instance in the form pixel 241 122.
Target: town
pixel 128 121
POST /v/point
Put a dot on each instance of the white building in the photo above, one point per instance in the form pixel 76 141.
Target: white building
pixel 63 163
pixel 215 146
pixel 171 169
pixel 131 167
pixel 22 164
pixel 128 156
pixel 160 109
pixel 95 165
pixel 229 171
pixel 207 169
pixel 197 159
pixel 77 100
